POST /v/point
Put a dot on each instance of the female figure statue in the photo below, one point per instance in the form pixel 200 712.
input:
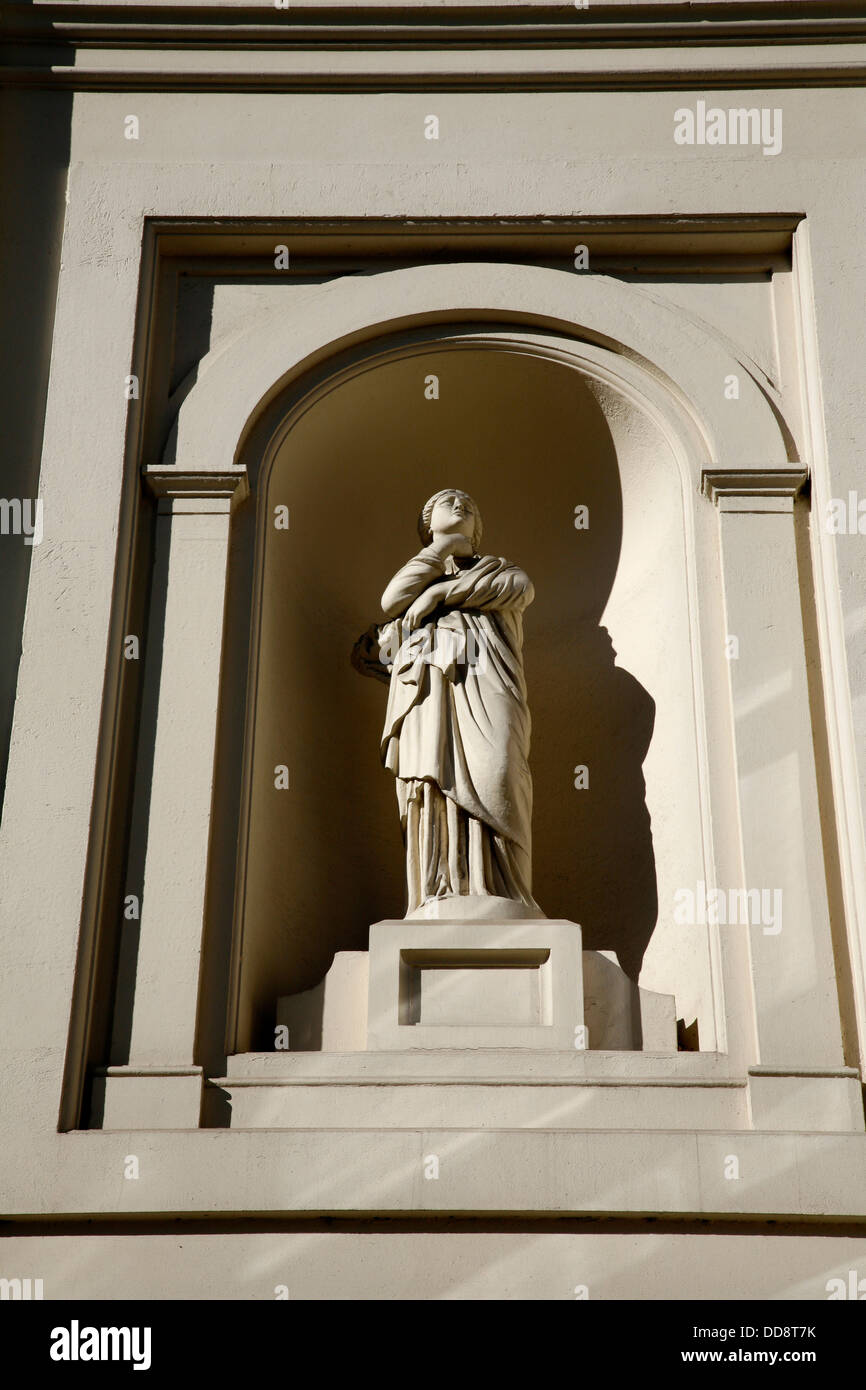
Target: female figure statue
pixel 457 726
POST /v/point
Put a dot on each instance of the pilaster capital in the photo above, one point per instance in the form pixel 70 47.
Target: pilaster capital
pixel 171 482
pixel 753 489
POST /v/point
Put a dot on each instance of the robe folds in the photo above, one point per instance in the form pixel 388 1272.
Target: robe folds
pixel 457 729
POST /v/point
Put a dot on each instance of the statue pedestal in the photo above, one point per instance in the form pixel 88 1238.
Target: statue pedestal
pixel 458 985
pixel 416 1000
pixel 455 984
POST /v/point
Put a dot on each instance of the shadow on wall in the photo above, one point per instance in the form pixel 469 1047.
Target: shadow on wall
pixel 35 159
pixel 600 854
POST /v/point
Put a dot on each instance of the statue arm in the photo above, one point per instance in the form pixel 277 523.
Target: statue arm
pixel 492 585
pixel 421 571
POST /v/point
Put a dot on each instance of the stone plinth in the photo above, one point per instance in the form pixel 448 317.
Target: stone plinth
pixel 617 1015
pixel 475 984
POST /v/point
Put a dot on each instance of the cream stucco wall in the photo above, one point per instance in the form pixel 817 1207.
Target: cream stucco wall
pixel 574 143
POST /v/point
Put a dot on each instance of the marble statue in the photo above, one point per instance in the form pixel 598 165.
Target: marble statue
pixel 457 725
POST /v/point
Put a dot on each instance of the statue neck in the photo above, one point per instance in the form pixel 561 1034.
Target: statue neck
pixel 455 563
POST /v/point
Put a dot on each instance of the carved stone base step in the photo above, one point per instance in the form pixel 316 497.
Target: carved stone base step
pixel 510 1089
pixel 449 984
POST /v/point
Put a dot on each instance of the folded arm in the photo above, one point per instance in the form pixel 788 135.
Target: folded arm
pixel 418 574
pixel 490 585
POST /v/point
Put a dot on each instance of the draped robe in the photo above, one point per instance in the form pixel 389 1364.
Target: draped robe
pixel 457 729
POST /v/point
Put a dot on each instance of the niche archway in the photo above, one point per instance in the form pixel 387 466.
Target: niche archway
pixel 609 651
pixel 656 379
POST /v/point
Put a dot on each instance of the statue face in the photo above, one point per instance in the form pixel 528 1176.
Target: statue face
pixel 452 515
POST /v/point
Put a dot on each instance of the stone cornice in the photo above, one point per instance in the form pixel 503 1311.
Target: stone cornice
pixel 316 74
pixel 347 45
pixel 705 22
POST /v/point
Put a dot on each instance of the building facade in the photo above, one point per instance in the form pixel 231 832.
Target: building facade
pixel 272 276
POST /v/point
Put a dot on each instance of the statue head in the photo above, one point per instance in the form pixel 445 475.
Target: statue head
pixel 452 511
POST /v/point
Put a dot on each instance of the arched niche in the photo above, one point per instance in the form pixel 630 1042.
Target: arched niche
pixel 239 381
pixel 307 400
pixel 533 430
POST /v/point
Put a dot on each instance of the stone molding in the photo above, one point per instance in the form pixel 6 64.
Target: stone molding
pixel 758 490
pixel 684 362
pixel 172 482
pixel 332 1172
pixel 516 45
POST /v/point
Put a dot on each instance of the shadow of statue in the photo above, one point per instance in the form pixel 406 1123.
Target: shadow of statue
pixel 607 832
